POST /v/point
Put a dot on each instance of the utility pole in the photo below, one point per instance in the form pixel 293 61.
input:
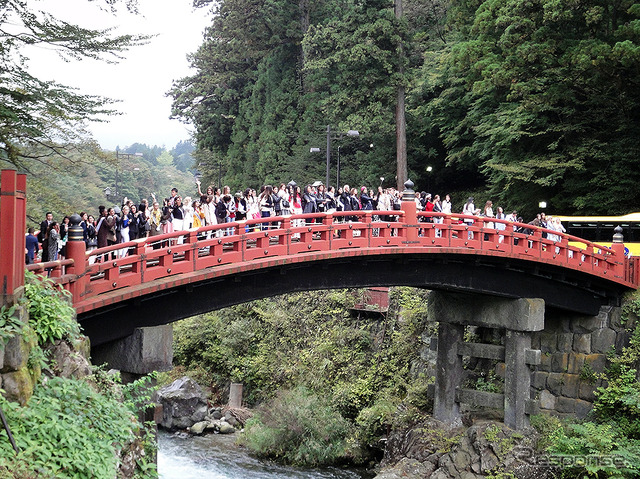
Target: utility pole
pixel 401 123
pixel 326 183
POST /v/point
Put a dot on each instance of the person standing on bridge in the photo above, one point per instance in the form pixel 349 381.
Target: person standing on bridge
pixel 265 200
pixel 177 214
pixel 51 239
pixel 124 222
pixel 166 220
pixel 134 224
pixel 365 200
pixel 155 220
pixel 187 206
pixel 44 226
pixel 488 213
pixel 208 207
pixel 500 226
pixel 230 207
pixel 31 244
pixel 446 205
pixel 469 209
pixel 309 201
pixel 513 217
pixel 104 229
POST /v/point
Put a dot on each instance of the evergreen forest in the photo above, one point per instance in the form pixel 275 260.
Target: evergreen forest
pixel 517 101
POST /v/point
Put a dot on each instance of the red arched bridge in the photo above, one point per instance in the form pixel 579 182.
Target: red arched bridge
pixel 160 279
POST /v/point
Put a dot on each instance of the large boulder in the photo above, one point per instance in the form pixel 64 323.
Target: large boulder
pixel 67 361
pixel 428 450
pixel 183 404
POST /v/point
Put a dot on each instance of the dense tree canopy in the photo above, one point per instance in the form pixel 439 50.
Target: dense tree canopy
pixel 520 100
pixel 543 98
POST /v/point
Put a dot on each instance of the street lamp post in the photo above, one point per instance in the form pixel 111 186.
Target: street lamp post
pixel 326 185
pixel 429 170
pixel 338 170
pixel 352 133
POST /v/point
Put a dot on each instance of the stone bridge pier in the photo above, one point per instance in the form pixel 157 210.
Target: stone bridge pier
pixel 518 319
pixel 146 350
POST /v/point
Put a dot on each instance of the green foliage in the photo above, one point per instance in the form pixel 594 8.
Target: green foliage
pixel 523 97
pixel 587 374
pixel 619 402
pixel 50 313
pixel 67 430
pixel 596 440
pixel 299 428
pixel 490 383
pixel 631 307
pixel 311 339
pixel 418 393
pixel 10 324
pixel 547 426
pixel 304 338
pixel 81 176
pixel 613 435
pixel 137 394
pixel 270 76
pixel 531 96
pixel 375 422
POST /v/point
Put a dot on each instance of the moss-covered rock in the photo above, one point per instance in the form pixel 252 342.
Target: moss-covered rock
pixel 18 385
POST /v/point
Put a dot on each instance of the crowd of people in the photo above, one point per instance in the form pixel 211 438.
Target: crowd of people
pixel 116 225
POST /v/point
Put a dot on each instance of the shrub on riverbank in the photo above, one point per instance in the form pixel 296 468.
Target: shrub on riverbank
pixel 68 429
pixel 298 427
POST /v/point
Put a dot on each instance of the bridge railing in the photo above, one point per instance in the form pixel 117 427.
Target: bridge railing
pixel 144 260
pixel 525 240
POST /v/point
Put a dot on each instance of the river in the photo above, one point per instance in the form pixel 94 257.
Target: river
pixel 217 456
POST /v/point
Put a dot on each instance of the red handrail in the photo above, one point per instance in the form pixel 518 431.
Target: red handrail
pixel 252 241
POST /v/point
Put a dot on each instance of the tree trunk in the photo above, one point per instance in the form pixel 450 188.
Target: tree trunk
pixel 401 124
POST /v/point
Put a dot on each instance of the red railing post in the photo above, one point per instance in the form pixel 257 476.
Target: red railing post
pixel 618 248
pixel 410 212
pixel 12 235
pixel 76 250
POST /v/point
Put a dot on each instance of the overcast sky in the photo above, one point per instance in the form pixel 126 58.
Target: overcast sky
pixel 142 79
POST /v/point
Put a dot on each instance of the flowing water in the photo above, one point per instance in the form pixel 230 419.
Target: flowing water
pixel 217 456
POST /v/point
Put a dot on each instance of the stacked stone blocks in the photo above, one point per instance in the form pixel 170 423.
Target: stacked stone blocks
pixel 575 349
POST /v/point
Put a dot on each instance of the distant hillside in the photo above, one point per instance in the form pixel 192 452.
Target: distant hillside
pixel 81 180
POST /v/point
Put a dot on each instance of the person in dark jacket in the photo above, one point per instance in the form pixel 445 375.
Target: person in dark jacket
pixel 44 226
pixel 365 199
pixel 310 201
pixel 31 243
pixel 345 198
pixel 134 223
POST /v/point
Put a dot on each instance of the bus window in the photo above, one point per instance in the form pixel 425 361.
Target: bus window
pixel 583 230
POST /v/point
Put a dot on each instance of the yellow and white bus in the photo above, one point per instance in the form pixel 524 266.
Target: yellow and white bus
pixel 599 229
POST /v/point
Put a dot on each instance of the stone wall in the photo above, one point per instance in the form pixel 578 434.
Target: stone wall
pixel 573 349
pixel 16 378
